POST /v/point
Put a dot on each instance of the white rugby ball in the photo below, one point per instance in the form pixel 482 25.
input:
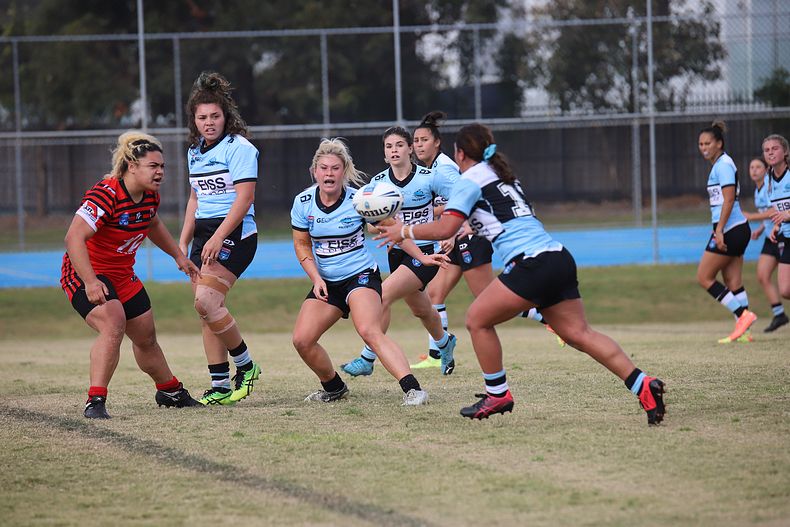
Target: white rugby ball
pixel 378 201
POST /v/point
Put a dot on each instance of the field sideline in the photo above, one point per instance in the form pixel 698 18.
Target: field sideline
pixel 575 451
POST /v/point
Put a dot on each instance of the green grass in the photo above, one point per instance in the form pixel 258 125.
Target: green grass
pixel 575 451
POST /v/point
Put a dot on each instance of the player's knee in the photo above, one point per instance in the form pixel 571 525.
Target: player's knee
pixel 302 343
pixel 371 336
pixel 146 342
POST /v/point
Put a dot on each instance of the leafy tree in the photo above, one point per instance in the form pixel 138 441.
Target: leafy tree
pixel 775 89
pixel 588 67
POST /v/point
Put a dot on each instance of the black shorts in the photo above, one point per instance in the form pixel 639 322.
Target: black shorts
pixel 398 257
pixel 471 251
pixel 770 248
pixel 338 291
pixel 736 240
pixel 783 246
pixel 545 280
pixel 236 254
pixel 134 307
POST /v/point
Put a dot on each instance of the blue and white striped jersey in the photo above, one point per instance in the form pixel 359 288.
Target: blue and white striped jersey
pixel 780 197
pixel 214 171
pixel 499 211
pixel 337 232
pixel 763 202
pixel 724 174
pixel 447 169
pixel 419 190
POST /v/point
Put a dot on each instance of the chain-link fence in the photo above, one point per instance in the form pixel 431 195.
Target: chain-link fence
pixel 570 99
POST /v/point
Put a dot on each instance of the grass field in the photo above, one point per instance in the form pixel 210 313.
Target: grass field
pixel 575 451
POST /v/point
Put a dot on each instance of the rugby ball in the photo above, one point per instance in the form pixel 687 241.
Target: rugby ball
pixel 378 201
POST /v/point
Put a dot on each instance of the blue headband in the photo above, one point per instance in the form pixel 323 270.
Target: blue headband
pixel 489 152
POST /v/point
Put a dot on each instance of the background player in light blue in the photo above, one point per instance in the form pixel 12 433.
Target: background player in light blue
pixel 769 254
pixel 219 221
pixel 776 152
pixel 731 233
pixel 539 272
pixel 329 241
pixel 470 255
pixel 409 275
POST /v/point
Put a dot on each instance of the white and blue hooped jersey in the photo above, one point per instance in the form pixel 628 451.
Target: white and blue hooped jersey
pixel 337 233
pixel 724 174
pixel 763 202
pixel 780 197
pixel 214 171
pixel 447 169
pixel 499 211
pixel 419 190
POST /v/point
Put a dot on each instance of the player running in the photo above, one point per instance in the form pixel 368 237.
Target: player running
pixel 539 273
pixel 409 275
pixel 731 232
pixel 329 241
pixel 776 152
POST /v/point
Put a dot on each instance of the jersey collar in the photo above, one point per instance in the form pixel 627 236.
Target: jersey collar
pixel 204 148
pixel 335 205
pixel 395 181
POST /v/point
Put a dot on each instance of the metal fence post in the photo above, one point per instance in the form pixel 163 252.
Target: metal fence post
pixel 636 153
pixel 651 108
pixel 325 82
pixel 181 179
pixel 398 80
pixel 20 196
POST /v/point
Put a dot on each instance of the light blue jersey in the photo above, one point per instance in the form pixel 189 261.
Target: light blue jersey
pixel 724 174
pixel 780 197
pixel 499 212
pixel 419 190
pixel 215 170
pixel 337 233
pixel 448 170
pixel 763 203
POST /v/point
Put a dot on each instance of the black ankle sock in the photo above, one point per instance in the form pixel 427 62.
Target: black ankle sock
pixel 334 384
pixel 629 382
pixel 409 382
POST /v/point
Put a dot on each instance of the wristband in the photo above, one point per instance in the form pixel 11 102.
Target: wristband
pixel 411 231
pixel 402 233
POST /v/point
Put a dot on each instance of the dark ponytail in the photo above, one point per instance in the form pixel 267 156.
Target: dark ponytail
pixel 477 142
pixel 716 129
pixel 431 122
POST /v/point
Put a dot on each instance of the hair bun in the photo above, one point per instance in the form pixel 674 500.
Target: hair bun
pixel 720 125
pixel 433 118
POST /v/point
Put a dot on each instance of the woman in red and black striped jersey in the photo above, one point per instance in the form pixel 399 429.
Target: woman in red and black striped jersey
pixel 113 220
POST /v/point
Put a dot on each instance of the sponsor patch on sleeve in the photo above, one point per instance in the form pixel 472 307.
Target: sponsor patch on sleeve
pixel 90 212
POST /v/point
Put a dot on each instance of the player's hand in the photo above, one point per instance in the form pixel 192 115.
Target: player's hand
pixel 719 237
pixel 320 291
pixel 778 216
pixel 390 233
pixel 188 267
pixel 437 260
pixel 211 250
pixel 774 232
pixel 447 245
pixel 97 292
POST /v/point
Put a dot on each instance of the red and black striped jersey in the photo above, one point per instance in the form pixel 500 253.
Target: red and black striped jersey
pixel 121 226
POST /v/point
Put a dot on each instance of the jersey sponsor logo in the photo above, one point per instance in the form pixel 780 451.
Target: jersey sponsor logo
pixel 323 220
pixel 423 215
pixel 138 217
pixel 334 246
pixel 228 242
pixel 715 197
pixel 423 171
pixel 305 198
pixel 419 194
pixel 348 222
pixel 211 186
pixel 124 219
pixel 91 210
